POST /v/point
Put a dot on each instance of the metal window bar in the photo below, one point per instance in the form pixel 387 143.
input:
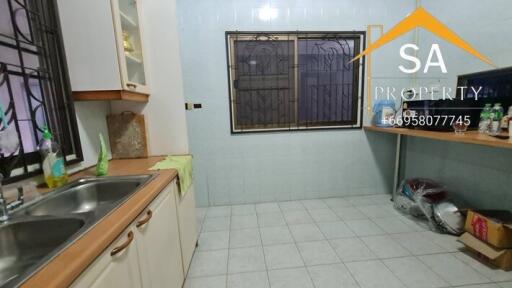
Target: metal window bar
pixel 45 92
pixel 251 75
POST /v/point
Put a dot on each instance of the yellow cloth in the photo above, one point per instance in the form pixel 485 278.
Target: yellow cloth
pixel 182 163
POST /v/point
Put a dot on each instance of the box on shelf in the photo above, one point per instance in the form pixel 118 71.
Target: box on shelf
pixel 490 226
pixel 501 258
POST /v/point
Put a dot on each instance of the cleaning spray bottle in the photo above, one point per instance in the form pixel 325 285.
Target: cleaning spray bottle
pixel 53 163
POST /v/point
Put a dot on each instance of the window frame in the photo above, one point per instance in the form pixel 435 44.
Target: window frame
pixel 231 36
pixel 59 110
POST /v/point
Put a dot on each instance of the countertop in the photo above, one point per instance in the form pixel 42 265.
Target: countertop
pixel 62 270
pixel 468 137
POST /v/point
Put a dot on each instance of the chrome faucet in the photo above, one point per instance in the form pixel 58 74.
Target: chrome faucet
pixel 6 207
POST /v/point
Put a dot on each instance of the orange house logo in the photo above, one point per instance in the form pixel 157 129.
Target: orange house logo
pixel 421 18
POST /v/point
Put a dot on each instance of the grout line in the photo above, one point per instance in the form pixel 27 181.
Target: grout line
pixel 316 224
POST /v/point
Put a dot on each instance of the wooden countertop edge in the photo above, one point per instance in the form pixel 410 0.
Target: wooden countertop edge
pixel 470 137
pixel 62 270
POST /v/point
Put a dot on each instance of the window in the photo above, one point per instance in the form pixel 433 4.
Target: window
pixel 34 87
pixel 294 81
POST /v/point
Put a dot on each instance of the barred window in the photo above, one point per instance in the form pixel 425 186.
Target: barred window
pixel 294 81
pixel 34 87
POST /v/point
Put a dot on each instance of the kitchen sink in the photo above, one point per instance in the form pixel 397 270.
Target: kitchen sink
pixel 86 195
pixel 38 231
pixel 26 242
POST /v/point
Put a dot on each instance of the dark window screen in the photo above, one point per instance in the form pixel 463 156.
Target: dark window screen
pixel 264 84
pixel 34 87
pixel 294 81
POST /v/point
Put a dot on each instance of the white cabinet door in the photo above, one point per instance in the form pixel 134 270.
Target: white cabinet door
pixel 159 245
pixel 130 50
pixel 187 223
pixel 118 266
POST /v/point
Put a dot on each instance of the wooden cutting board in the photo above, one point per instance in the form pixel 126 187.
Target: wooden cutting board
pixel 127 134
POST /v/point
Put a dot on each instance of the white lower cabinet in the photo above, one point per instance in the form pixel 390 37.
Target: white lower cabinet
pixel 118 266
pixel 187 225
pixel 159 243
pixel 147 254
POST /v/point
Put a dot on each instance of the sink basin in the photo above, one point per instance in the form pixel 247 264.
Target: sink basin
pixel 38 231
pixel 86 195
pixel 25 243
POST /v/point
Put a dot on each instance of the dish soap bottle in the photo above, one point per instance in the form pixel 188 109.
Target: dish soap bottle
pixel 53 163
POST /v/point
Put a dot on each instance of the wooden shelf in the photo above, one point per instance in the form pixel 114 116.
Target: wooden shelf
pixel 469 137
pixel 107 95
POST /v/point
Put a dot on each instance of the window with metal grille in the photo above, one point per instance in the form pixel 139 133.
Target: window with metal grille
pixel 294 81
pixel 34 87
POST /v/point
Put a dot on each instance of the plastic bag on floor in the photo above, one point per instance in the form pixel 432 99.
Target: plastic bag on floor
pixel 420 197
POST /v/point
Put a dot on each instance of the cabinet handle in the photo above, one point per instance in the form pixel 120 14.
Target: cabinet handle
pixel 123 246
pixel 142 222
pixel 131 86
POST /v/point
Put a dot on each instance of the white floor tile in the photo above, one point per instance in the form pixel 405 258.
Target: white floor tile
pixel 290 278
pixel 206 282
pixel 414 273
pixel 417 243
pixel 335 203
pixel 332 276
pixel 361 200
pixel 216 224
pixel 490 272
pixel 306 232
pixel 448 242
pixel 246 209
pixel 271 219
pixel 385 247
pixel 282 256
pixel 381 199
pixel 213 240
pixel 318 252
pixel 364 227
pixel 244 221
pixel 248 280
pixel 323 215
pixel 218 211
pixel 244 238
pixel 333 230
pixel 453 270
pixel 246 260
pixel 373 274
pixel 267 208
pixel 209 263
pixel 349 213
pixel 276 235
pixel 352 249
pixel 291 206
pixel 394 225
pixel 297 217
pixel 314 204
pixel 376 211
pixel 488 285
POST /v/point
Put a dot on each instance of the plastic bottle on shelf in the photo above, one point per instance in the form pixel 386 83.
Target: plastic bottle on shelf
pixel 496 115
pixel 53 163
pixel 485 119
pixel 506 118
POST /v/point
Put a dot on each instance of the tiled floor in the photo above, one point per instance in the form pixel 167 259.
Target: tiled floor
pixel 323 243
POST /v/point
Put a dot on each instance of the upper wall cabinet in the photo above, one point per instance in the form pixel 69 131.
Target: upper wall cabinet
pixel 104 49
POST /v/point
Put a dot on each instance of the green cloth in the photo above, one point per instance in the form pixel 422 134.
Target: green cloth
pixel 182 163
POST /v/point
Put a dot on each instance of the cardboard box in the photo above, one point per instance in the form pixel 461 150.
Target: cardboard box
pixel 491 226
pixel 501 258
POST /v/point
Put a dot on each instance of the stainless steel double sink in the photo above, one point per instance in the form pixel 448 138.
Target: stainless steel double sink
pixel 38 231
